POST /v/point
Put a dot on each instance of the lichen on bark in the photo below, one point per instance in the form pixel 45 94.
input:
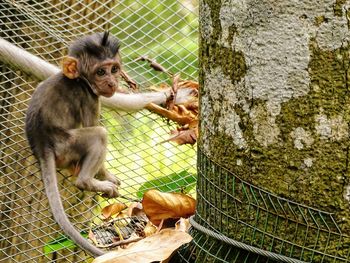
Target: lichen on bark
pixel 275 90
pixel 323 112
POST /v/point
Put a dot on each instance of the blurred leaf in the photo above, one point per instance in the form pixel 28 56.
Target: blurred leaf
pixel 183 225
pixel 156 247
pixel 170 183
pixel 185 113
pixel 135 209
pixel 159 206
pixel 112 209
pixel 60 243
pixel 149 229
pixel 180 137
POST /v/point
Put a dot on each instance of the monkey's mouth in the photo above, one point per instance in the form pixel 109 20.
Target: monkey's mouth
pixel 108 93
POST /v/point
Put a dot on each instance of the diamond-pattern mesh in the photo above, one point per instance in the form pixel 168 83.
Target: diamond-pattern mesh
pixel 254 225
pixel 164 30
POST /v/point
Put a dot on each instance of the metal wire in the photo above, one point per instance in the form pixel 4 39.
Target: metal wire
pixel 241 245
pixel 45 28
pixel 252 225
pixel 244 223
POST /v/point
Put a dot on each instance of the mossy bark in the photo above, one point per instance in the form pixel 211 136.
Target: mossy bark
pixel 275 98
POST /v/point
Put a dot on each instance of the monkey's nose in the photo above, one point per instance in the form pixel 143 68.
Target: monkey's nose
pixel 111 84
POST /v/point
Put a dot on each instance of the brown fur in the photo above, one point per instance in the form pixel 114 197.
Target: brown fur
pixel 62 123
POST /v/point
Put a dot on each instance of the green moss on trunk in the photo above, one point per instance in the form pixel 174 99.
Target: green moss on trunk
pixel 307 162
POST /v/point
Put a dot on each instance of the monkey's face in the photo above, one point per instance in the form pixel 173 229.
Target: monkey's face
pixel 105 76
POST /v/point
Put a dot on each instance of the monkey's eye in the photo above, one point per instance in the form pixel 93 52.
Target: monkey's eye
pixel 114 69
pixel 100 72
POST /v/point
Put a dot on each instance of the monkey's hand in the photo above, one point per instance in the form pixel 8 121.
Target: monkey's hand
pixel 111 177
pixel 186 95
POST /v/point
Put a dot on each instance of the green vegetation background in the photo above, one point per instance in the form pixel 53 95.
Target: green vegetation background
pixel 168 32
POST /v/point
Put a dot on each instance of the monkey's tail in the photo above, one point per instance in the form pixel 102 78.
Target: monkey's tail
pixel 48 170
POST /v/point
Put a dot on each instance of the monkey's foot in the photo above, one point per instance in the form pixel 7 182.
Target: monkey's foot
pixel 108 188
pixel 112 178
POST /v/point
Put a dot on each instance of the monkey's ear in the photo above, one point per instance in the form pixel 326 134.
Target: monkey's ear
pixel 70 67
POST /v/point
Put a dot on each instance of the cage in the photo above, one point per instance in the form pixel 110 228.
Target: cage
pixel 163 30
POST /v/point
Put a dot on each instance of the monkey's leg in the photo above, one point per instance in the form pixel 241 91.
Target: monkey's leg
pixel 90 144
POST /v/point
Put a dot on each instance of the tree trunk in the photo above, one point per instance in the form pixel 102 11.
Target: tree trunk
pixel 275 112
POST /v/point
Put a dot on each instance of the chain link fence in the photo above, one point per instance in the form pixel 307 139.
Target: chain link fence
pixel 254 225
pixel 164 30
pixel 242 223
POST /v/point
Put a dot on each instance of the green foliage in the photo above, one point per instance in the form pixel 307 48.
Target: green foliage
pixel 167 32
pixel 173 182
pixel 60 243
pixel 163 30
pixel 135 155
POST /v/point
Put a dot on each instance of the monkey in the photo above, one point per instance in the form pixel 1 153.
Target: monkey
pixel 62 123
pixel 62 120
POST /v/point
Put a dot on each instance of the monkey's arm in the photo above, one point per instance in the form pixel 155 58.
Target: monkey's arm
pixel 33 65
pixel 138 101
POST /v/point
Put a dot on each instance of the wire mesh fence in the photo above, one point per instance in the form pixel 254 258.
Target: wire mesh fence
pixel 164 30
pixel 262 226
pixel 244 223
